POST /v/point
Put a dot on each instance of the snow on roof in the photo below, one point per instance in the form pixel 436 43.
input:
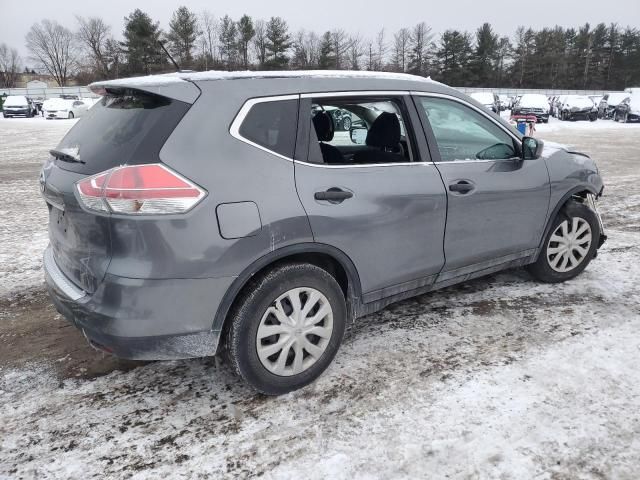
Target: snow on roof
pixel 177 77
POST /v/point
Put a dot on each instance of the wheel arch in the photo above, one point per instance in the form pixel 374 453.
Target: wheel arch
pixel 329 258
pixel 579 191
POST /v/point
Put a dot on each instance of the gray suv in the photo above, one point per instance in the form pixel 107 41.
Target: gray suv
pixel 198 213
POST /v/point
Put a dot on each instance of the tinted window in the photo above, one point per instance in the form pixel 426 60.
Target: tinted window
pixel 272 125
pixel 125 128
pixel 464 134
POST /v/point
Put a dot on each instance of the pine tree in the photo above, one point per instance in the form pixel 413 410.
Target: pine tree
pixel 486 52
pixel 228 42
pixel 278 43
pixel 183 32
pixel 141 37
pixel 325 59
pixel 246 32
pixel 454 54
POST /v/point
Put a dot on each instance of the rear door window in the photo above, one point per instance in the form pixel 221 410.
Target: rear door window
pixel 272 125
pixel 124 128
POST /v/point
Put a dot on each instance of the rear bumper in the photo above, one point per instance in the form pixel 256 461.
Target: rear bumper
pixel 142 319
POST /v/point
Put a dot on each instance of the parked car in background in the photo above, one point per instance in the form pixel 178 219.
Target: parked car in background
pixel 578 107
pixel 256 232
pixel 18 106
pixel 64 108
pixel 629 109
pixel 608 104
pixel 488 100
pixel 533 104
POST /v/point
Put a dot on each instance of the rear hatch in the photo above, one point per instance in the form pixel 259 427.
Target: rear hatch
pixel 126 127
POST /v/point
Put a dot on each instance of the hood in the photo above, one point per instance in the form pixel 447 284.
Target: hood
pixel 16 102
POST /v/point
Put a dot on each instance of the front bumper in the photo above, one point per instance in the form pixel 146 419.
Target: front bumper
pixel 142 319
pixel 540 117
pixel 16 113
pixel 55 114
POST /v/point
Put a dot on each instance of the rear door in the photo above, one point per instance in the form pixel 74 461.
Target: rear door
pixel 497 202
pixel 384 205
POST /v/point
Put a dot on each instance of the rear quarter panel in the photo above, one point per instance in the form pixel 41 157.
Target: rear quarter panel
pixel 201 148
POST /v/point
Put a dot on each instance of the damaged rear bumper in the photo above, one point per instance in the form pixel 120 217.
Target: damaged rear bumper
pixel 142 319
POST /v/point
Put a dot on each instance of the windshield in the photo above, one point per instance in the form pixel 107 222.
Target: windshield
pixel 580 102
pixel 534 101
pixel 616 98
pixel 15 101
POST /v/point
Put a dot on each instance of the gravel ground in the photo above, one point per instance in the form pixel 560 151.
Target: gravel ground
pixel 501 377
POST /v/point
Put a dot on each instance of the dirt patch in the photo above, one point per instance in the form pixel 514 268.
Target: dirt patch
pixel 31 331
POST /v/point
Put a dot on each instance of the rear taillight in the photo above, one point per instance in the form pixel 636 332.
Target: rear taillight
pixel 139 189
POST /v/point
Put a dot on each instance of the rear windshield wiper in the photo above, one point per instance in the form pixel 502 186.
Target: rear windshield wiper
pixel 65 156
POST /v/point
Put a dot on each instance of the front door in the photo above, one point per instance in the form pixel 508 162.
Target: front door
pixel 497 202
pixel 368 191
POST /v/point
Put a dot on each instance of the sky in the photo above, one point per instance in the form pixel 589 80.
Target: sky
pixel 365 17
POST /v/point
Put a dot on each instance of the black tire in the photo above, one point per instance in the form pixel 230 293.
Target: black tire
pixel 346 123
pixel 541 269
pixel 70 116
pixel 593 118
pixel 545 120
pixel 245 318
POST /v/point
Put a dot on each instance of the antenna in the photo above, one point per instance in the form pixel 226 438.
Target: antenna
pixel 169 55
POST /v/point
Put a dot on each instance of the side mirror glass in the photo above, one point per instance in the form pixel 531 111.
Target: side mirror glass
pixel 532 148
pixel 358 135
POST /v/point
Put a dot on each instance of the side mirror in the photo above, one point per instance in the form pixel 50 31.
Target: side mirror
pixel 532 148
pixel 358 135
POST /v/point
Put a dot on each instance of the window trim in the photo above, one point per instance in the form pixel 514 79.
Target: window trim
pixel 234 129
pixel 366 93
pixel 469 105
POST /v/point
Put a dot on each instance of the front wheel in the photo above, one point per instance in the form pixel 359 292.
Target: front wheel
pixel 285 331
pixel 346 123
pixel 70 116
pixel 569 246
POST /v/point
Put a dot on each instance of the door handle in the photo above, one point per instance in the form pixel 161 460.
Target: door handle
pixel 461 187
pixel 334 195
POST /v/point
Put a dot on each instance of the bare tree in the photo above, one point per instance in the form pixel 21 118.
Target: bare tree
pixel 380 52
pixel 401 49
pixel 340 44
pixel 53 47
pixel 260 41
pixel 208 37
pixel 420 41
pixel 10 65
pixel 94 34
pixel 306 50
pixel 356 51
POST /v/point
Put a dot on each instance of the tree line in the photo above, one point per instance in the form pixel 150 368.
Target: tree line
pixel 602 57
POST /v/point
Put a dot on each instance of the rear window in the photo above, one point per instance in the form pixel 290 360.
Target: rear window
pixel 124 128
pixel 272 125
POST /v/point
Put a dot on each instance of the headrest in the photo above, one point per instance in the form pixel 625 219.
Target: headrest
pixel 323 124
pixel 385 131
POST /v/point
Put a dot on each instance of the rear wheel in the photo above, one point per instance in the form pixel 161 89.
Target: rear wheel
pixel 569 246
pixel 70 115
pixel 346 123
pixel 287 328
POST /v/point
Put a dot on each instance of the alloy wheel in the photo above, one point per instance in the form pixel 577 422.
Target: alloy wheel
pixel 294 331
pixel 569 244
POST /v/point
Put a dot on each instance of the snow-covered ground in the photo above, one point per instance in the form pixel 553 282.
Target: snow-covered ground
pixel 501 377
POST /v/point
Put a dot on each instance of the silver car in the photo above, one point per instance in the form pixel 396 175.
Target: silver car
pixel 198 213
